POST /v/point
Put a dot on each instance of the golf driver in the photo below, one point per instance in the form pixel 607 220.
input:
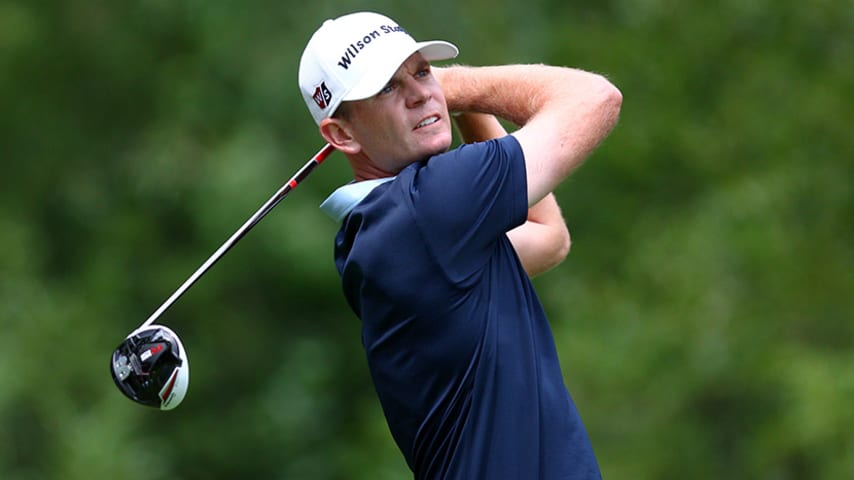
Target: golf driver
pixel 150 366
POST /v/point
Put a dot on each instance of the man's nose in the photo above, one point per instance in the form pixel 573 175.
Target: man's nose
pixel 416 93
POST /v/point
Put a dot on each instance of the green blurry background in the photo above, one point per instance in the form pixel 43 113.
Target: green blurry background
pixel 704 319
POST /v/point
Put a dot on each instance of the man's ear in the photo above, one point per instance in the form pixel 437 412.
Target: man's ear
pixel 337 133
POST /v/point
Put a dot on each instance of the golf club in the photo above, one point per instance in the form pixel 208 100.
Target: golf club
pixel 150 366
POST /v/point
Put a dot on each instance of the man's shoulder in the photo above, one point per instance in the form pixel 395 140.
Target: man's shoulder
pixel 464 159
pixel 506 146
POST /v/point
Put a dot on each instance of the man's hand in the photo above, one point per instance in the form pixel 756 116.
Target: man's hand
pixel 543 241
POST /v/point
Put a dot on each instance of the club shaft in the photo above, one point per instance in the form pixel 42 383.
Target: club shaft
pixel 283 192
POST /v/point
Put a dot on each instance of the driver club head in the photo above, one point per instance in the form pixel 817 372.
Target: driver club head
pixel 150 367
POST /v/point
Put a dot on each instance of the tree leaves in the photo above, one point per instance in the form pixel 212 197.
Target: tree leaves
pixel 703 318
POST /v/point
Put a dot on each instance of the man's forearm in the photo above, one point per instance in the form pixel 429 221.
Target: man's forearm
pixel 513 92
pixel 563 113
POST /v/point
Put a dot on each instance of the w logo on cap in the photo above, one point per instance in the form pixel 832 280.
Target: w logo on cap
pixel 322 96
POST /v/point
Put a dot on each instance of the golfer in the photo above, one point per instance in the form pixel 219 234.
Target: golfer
pixel 436 247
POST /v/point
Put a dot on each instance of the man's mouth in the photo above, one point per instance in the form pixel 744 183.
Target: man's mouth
pixel 427 121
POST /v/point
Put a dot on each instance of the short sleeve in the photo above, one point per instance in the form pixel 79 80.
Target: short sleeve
pixel 466 200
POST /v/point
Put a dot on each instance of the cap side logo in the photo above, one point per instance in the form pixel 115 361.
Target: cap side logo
pixel 322 96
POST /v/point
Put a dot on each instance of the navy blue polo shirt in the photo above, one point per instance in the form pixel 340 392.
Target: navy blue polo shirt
pixel 457 343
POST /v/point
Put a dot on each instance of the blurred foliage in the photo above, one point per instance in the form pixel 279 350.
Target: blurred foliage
pixel 704 318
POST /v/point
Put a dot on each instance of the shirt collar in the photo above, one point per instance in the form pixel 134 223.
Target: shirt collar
pixel 345 198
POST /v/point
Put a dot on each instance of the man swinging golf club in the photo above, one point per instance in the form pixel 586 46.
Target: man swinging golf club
pixel 436 247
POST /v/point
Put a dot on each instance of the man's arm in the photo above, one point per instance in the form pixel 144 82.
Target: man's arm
pixel 563 113
pixel 543 241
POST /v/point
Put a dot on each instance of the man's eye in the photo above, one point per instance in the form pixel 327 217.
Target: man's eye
pixel 386 90
pixel 423 73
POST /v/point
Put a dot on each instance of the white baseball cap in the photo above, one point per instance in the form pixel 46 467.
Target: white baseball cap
pixel 354 56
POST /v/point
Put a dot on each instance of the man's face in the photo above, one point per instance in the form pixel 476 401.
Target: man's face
pixel 406 122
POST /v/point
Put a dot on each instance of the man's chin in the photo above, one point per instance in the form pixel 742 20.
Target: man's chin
pixel 438 145
pixel 439 150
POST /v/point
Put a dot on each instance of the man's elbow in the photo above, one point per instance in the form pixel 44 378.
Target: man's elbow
pixel 610 100
pixel 564 246
pixel 560 245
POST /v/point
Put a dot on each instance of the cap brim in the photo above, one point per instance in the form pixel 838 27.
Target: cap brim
pixel 371 85
pixel 436 50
